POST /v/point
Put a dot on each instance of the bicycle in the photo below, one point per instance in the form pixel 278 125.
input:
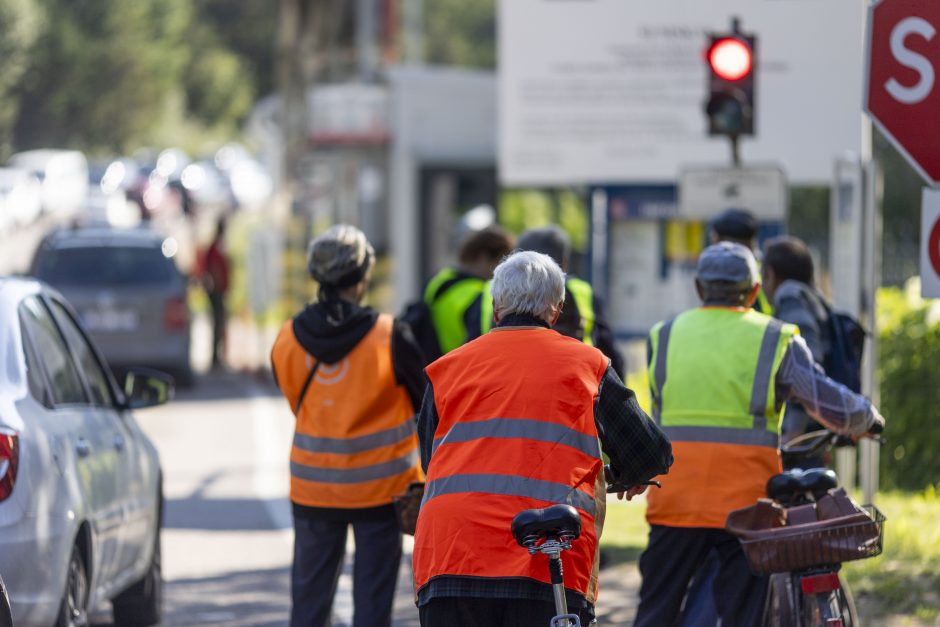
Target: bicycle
pixel 804 558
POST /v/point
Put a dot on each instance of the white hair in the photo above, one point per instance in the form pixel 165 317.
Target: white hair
pixel 527 282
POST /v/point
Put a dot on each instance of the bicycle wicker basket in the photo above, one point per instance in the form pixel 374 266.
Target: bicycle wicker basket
pixel 805 546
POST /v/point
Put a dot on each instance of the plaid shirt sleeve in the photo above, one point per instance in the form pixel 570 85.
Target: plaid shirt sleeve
pixel 637 447
pixel 427 426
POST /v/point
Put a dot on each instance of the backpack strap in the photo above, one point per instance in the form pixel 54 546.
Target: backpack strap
pixel 303 390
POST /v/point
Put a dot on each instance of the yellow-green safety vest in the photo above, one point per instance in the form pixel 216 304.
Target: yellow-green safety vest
pixel 448 307
pixel 712 378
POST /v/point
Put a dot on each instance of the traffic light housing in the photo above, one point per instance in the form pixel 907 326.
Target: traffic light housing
pixel 731 60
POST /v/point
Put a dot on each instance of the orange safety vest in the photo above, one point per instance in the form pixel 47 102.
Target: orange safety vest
pixel 712 374
pixel 355 442
pixel 516 432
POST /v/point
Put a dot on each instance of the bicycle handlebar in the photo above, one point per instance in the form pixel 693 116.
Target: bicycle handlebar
pixel 614 484
pixel 813 442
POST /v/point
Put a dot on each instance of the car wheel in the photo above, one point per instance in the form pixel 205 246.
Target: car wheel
pixel 74 609
pixel 142 603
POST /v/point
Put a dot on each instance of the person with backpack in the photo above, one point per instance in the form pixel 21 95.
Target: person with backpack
pixel 719 376
pixel 835 339
pixel 442 319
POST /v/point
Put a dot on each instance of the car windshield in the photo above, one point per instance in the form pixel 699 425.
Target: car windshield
pixel 105 266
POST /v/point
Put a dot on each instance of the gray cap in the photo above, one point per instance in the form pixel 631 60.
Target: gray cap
pixel 549 240
pixel 340 257
pixel 727 261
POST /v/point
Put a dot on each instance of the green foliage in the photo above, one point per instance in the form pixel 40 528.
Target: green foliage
pixel 521 209
pixel 19 25
pixel 218 87
pixel 909 361
pixel 461 32
pixel 111 75
pixel 101 71
pixel 246 28
pixel 905 579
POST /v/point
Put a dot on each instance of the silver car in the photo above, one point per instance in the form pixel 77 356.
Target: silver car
pixel 80 483
pixel 127 291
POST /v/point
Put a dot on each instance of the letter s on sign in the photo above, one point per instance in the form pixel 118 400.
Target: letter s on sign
pixel 913 60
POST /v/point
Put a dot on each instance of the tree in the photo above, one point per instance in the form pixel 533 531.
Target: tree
pixel 102 72
pixel 19 24
pixel 461 32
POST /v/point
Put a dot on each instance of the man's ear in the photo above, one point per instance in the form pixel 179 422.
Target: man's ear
pixel 699 291
pixel 556 314
pixel 496 315
pixel 752 295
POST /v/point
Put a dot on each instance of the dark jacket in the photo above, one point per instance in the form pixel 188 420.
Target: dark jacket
pixel 801 304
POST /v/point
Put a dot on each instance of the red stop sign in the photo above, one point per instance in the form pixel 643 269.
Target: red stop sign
pixel 902 94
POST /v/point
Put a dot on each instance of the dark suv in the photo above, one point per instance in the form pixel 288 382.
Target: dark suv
pixel 128 293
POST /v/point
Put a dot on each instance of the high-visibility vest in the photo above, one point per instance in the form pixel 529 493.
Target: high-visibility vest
pixel 712 373
pixel 580 290
pixel 512 435
pixel 355 442
pixel 448 296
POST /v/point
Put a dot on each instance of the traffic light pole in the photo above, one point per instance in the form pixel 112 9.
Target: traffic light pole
pixel 735 152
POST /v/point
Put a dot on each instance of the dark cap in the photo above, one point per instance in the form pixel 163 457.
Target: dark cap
pixel 728 262
pixel 738 224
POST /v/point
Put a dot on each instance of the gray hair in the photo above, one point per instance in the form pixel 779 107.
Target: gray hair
pixel 528 282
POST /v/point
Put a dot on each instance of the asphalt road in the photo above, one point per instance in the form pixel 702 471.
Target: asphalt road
pixel 227 537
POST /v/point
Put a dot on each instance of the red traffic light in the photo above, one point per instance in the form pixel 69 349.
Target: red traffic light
pixel 730 58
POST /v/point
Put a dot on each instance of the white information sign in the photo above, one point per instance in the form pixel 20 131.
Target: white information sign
pixel 930 243
pixel 613 91
pixel 704 192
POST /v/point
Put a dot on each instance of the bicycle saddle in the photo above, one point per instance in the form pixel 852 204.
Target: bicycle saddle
pixel 556 521
pixel 796 481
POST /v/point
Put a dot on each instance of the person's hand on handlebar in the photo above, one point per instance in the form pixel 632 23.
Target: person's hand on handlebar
pixel 634 491
pixel 877 426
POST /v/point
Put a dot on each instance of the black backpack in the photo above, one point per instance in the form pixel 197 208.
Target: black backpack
pixel 417 316
pixel 843 360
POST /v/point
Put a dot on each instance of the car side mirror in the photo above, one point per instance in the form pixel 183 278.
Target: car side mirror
pixel 144 387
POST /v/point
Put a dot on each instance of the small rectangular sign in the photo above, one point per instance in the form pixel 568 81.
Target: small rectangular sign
pixel 930 243
pixel 706 191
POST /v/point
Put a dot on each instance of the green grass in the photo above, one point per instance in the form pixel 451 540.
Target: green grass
pixel 905 579
pixel 903 582
pixel 625 531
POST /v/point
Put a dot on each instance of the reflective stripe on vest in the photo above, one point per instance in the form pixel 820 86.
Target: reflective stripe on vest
pixel 582 293
pixel 486 465
pixel 712 378
pixel 520 428
pixel 449 306
pixel 510 485
pixel 355 443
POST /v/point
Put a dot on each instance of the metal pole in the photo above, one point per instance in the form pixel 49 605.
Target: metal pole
pixel 870 451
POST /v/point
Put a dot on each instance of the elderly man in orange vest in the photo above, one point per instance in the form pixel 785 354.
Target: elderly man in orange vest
pixel 514 420
pixel 353 379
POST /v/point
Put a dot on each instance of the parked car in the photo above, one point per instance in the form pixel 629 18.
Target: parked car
pixel 80 483
pixel 64 177
pixel 128 293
